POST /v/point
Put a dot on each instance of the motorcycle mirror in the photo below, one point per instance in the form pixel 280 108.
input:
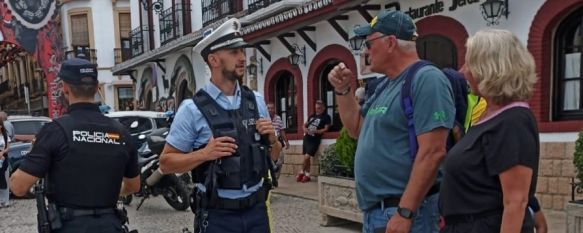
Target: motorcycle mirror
pixel 134 125
pixel 142 137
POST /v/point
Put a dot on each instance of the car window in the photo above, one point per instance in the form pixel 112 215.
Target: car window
pixel 27 127
pixel 144 124
pixel 161 123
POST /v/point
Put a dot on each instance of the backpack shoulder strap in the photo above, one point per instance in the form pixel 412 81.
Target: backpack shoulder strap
pixel 407 105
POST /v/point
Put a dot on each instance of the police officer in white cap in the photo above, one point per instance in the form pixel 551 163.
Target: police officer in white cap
pixel 224 135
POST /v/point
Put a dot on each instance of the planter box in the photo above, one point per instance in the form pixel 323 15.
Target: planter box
pixel 575 217
pixel 337 200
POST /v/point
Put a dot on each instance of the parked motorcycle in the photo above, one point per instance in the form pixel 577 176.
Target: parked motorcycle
pixel 174 190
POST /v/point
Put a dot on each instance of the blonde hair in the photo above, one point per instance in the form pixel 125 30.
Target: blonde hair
pixel 503 68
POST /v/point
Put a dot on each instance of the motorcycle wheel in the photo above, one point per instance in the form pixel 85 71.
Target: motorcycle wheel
pixel 127 199
pixel 176 193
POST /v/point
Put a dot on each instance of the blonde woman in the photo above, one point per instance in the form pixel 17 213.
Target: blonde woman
pixel 490 174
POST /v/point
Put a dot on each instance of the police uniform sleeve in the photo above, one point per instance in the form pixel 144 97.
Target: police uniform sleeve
pixel 132 169
pixel 432 101
pixel 50 143
pixel 513 142
pixel 183 131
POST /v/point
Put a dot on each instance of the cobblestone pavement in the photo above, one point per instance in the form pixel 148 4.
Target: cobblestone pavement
pixel 292 215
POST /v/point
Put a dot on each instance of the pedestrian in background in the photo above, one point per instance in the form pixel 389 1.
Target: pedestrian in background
pixel 317 124
pixel 491 172
pixel 7 125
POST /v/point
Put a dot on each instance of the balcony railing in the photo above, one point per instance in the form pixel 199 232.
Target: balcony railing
pixel 139 40
pixel 213 10
pixel 254 5
pixel 172 22
pixel 88 54
pixel 122 54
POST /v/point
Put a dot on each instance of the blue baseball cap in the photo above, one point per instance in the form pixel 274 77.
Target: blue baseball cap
pixel 75 69
pixel 390 22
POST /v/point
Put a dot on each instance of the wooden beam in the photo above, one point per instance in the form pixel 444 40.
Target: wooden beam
pixel 308 40
pixel 286 43
pixel 338 29
pixel 263 52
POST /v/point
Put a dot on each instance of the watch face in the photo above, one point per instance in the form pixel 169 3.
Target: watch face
pixel 405 213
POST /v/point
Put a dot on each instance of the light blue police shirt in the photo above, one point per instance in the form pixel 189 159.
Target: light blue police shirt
pixel 190 130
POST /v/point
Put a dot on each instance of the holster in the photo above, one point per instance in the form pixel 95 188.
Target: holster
pixel 54 217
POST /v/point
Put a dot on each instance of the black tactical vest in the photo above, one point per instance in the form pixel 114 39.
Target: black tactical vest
pixel 90 175
pixel 249 164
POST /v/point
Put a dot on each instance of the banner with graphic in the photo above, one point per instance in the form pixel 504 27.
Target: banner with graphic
pixel 33 26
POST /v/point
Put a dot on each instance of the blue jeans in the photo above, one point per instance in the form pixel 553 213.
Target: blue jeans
pixel 426 217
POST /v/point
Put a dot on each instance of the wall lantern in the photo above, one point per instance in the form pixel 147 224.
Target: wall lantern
pixel 299 56
pixel 356 43
pixel 492 10
pixel 156 5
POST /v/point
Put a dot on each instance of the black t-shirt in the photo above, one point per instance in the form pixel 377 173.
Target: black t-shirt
pixel 317 122
pixel 471 181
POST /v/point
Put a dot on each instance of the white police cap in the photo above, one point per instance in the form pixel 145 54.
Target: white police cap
pixel 226 36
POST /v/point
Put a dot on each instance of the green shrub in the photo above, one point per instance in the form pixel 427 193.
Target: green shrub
pixel 346 149
pixel 578 157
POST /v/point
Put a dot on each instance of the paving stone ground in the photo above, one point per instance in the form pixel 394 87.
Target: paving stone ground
pixel 291 215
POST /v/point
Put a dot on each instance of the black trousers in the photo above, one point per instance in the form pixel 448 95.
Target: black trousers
pixel 107 223
pixel 489 224
pixel 251 220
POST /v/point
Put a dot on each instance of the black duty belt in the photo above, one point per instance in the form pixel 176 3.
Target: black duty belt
pixel 242 203
pixel 68 213
pixel 467 218
pixel 394 201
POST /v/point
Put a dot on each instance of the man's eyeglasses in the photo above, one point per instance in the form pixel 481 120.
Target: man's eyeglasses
pixel 368 43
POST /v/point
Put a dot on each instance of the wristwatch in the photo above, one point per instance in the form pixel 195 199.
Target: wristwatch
pixel 405 213
pixel 342 93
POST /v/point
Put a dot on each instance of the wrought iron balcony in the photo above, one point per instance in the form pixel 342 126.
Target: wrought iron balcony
pixel 122 54
pixel 213 10
pixel 81 52
pixel 139 40
pixel 254 5
pixel 172 22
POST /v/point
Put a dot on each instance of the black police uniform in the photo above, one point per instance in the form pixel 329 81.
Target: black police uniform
pixel 84 155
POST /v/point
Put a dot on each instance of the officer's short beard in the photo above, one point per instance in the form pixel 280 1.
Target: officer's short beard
pixel 232 75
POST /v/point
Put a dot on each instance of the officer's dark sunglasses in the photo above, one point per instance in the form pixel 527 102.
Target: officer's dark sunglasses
pixel 368 43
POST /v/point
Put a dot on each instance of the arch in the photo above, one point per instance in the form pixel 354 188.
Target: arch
pixel 183 71
pixel 276 69
pixel 448 28
pixel 540 43
pixel 145 87
pixel 330 53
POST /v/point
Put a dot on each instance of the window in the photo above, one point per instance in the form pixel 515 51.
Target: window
pixel 327 96
pixel 567 76
pixel 125 99
pixel 285 98
pixel 125 26
pixel 79 31
pixel 439 50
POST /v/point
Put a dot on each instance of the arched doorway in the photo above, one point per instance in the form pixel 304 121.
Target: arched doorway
pixel 326 94
pixel 182 81
pixel 183 92
pixel 436 31
pixel 285 96
pixel 148 101
pixel 438 49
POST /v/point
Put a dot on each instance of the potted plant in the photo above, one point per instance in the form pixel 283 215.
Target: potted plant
pixel 575 207
pixel 337 193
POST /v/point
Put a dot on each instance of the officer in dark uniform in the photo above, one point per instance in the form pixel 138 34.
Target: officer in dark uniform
pixel 86 158
pixel 224 136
